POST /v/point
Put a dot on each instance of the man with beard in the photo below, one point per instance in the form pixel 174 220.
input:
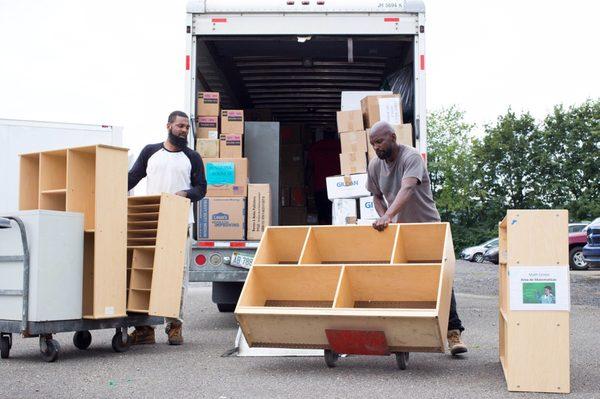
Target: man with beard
pixel 170 167
pixel 399 182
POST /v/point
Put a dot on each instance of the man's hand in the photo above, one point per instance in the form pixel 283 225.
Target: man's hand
pixel 382 223
pixel 181 193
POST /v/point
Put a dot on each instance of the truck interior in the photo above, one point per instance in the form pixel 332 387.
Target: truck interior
pixel 298 80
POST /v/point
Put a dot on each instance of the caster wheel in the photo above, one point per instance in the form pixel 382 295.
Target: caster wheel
pixel 402 360
pixel 82 339
pixel 49 349
pixel 118 345
pixel 5 347
pixel 330 358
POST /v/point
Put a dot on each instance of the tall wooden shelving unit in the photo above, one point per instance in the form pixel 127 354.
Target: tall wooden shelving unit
pixel 156 242
pixel 533 344
pixel 91 180
pixel 306 280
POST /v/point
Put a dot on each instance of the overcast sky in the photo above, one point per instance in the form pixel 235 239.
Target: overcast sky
pixel 122 62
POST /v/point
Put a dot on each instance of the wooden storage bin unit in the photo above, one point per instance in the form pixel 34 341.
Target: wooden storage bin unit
pixel 345 278
pixel 91 180
pixel 533 344
pixel 156 243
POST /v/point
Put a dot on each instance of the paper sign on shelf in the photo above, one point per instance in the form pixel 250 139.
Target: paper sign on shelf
pixel 389 110
pixel 539 288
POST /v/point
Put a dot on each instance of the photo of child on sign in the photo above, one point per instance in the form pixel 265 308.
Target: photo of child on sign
pixel 539 293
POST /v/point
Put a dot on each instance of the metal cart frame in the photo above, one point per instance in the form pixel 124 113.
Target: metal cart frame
pixel 82 338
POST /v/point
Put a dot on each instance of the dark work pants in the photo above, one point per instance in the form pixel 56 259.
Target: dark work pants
pixel 454 322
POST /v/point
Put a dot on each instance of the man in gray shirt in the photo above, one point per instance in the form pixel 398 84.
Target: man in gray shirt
pixel 399 177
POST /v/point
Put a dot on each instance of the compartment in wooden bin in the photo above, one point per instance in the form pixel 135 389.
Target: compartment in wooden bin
pixel 141 241
pixel 142 225
pixel 29 176
pixel 141 279
pixel 395 287
pixel 348 245
pixel 53 170
pixel 54 200
pixel 281 245
pixel 421 243
pixel 141 233
pixel 81 182
pixel 143 208
pixel 143 200
pixel 139 300
pixel 142 217
pixel 143 258
pixel 290 286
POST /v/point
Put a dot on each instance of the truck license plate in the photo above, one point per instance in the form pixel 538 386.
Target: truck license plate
pixel 241 260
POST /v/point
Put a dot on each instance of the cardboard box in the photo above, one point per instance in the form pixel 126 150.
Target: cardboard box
pixel 259 210
pixel 226 177
pixel 351 99
pixel 231 145
pixel 354 141
pixel 381 108
pixel 403 136
pixel 207 148
pixel 207 127
pixel 367 209
pixel 353 162
pixel 349 121
pixel 232 121
pixel 208 104
pixel 292 216
pixel 221 218
pixel 355 186
pixel 343 211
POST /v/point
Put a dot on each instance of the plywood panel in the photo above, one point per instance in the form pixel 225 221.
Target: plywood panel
pixel 54 201
pixel 81 183
pixel 29 178
pixel 141 279
pixel 281 245
pixel 138 301
pixel 343 295
pixel 446 283
pixel 143 225
pixel 537 237
pixel 88 273
pixel 538 352
pixel 142 208
pixel 252 293
pixel 169 258
pixel 110 262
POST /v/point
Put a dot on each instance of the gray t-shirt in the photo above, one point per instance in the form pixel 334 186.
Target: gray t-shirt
pixel 387 178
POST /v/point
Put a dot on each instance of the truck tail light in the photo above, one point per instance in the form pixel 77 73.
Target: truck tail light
pixel 200 260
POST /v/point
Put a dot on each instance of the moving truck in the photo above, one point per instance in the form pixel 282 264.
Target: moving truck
pixel 286 63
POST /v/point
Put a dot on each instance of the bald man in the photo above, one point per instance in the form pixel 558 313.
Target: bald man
pixel 399 182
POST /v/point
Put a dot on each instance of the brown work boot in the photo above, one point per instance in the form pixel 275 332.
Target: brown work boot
pixel 455 343
pixel 142 335
pixel 173 330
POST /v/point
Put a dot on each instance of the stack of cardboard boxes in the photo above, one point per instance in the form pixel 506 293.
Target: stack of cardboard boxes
pixel 222 213
pixel 348 191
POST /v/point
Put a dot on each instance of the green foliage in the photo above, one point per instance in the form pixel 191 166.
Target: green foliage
pixel 516 164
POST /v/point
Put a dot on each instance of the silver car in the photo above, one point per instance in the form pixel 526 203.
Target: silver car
pixel 475 254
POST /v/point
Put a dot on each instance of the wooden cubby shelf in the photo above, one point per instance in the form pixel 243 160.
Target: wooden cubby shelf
pixel 533 344
pixel 305 280
pixel 156 238
pixel 91 180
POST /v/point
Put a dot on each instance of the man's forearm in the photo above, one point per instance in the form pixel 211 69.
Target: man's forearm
pixel 379 204
pixel 401 199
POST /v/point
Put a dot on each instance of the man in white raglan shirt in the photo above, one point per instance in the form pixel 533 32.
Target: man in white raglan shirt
pixel 170 167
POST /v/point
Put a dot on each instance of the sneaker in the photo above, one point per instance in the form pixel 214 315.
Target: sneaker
pixel 455 344
pixel 173 330
pixel 142 335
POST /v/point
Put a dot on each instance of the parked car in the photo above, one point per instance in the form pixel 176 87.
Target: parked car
pixel 577 226
pixel 475 254
pixel 591 251
pixel 491 255
pixel 576 243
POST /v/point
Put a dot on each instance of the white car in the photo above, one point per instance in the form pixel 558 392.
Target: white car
pixel 475 254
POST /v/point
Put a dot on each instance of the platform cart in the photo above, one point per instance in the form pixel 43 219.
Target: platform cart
pixel 82 337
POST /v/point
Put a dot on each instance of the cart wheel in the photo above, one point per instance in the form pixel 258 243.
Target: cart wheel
pixel 82 339
pixel 117 342
pixel 4 347
pixel 402 360
pixel 330 358
pixel 49 349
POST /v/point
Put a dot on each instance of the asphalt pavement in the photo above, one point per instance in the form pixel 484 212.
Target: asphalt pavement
pixel 198 369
